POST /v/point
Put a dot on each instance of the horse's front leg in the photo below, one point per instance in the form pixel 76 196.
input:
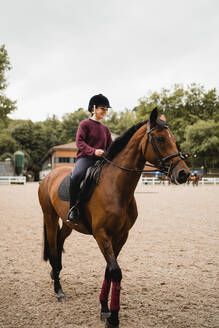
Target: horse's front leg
pixel 104 295
pixel 114 277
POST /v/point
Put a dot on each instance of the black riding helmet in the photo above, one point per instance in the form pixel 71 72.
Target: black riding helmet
pixel 98 100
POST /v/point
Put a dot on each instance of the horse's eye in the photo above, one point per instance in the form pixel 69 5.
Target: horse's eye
pixel 160 140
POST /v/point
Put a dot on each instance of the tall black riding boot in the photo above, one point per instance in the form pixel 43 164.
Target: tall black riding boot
pixel 73 214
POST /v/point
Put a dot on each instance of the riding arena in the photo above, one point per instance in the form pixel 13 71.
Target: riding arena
pixel 170 263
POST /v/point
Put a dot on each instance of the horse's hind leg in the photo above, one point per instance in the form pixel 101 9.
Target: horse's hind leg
pixel 53 249
pixel 61 236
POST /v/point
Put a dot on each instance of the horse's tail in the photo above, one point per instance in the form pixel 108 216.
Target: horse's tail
pixel 46 252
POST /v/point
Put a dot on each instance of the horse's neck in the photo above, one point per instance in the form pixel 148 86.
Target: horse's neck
pixel 130 157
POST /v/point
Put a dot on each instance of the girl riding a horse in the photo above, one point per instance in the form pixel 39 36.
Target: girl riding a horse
pixel 112 210
pixel 93 138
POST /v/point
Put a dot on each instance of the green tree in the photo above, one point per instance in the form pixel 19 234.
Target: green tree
pixel 30 140
pixel 52 132
pixel 6 155
pixel 35 139
pixel 146 104
pixel 23 134
pixel 7 143
pixel 111 120
pixel 202 142
pixel 181 106
pixel 119 122
pixel 70 124
pixel 6 105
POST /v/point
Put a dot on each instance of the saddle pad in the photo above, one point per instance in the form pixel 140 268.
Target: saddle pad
pixel 63 191
pixel 87 185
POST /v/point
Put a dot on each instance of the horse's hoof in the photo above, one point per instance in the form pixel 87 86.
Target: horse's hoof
pixel 61 296
pixel 109 325
pixel 104 316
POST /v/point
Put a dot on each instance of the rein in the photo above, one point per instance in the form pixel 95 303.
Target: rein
pixel 160 160
pixel 128 169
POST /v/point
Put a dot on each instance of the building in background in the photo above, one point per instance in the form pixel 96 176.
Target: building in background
pixel 13 167
pixel 57 156
pixel 62 155
pixel 7 167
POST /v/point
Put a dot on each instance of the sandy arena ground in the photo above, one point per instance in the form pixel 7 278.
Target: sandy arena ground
pixel 170 263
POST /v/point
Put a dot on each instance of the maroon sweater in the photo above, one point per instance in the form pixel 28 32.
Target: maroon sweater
pixel 92 135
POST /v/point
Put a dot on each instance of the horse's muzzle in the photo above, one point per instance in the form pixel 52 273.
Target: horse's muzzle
pixel 182 176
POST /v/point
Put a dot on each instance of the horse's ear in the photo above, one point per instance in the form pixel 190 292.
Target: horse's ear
pixel 153 116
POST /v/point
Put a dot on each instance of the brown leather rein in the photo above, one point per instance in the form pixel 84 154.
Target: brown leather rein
pixel 160 161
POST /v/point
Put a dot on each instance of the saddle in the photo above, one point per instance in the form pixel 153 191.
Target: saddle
pixel 87 184
pixel 87 187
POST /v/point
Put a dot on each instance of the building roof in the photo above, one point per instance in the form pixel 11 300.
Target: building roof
pixel 69 146
pixel 72 146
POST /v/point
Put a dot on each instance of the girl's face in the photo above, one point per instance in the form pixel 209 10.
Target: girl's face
pixel 100 112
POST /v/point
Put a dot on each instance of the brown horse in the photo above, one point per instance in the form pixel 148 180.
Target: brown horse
pixel 194 179
pixel 111 210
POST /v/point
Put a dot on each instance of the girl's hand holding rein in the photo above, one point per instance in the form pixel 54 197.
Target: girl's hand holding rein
pixel 99 152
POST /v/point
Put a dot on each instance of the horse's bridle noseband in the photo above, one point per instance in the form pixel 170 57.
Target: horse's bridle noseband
pixel 160 161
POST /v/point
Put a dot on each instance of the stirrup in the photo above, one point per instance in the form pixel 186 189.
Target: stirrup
pixel 73 215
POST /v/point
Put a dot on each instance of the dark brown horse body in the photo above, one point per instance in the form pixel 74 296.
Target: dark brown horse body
pixel 111 210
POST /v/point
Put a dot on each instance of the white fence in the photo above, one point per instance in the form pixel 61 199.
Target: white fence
pixel 12 180
pixel 147 180
pixel 209 181
pixel 153 181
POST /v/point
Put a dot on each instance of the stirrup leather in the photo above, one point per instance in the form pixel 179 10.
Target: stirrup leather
pixel 73 214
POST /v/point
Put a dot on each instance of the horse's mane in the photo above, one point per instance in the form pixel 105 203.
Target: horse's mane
pixel 120 142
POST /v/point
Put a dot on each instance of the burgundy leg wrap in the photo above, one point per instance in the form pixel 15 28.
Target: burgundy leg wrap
pixel 115 296
pixel 105 290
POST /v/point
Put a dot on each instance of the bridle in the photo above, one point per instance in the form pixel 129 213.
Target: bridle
pixel 160 161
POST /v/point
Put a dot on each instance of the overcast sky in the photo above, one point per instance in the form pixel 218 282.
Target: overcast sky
pixel 65 51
